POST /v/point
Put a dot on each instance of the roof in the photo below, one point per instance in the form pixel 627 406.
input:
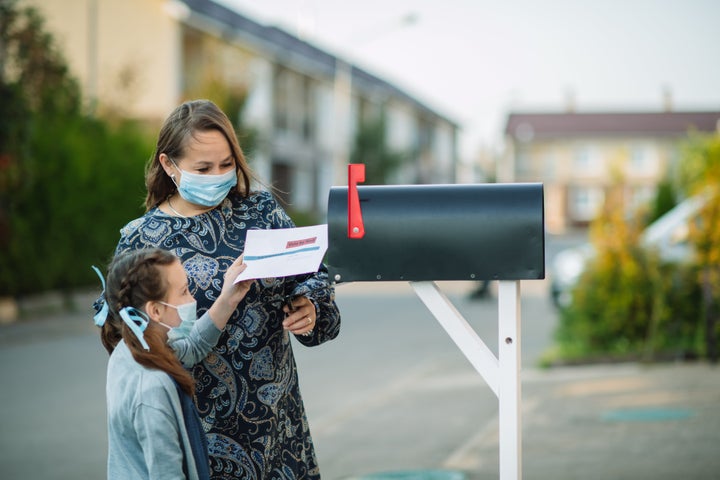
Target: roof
pixel 657 124
pixel 282 46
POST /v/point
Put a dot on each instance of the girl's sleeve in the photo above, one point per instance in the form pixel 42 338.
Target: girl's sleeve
pixel 194 348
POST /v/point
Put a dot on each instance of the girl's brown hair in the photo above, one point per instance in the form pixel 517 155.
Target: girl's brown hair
pixel 135 278
pixel 188 118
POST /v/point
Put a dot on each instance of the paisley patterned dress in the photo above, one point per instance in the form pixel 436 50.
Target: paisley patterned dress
pixel 247 390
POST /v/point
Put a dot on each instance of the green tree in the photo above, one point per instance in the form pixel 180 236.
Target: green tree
pixel 371 148
pixel 665 199
pixel 628 303
pixel 700 175
pixel 69 181
pixel 33 77
pixel 611 306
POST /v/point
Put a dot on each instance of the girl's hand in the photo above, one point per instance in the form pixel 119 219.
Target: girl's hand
pixel 230 295
pixel 231 291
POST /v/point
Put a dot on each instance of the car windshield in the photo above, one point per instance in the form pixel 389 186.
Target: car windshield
pixel 664 226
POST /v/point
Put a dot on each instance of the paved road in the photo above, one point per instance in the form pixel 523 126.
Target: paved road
pixel 399 384
pixel 392 393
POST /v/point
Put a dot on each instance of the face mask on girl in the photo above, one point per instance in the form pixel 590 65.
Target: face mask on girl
pixel 205 190
pixel 188 316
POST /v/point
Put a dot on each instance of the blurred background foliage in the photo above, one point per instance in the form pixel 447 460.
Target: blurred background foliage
pixel 68 181
pixel 628 303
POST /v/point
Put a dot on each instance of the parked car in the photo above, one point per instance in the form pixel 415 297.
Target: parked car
pixel 668 235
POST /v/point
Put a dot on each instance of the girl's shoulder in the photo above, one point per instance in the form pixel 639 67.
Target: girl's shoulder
pixel 148 386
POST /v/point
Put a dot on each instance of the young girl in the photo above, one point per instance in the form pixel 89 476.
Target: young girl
pixel 153 426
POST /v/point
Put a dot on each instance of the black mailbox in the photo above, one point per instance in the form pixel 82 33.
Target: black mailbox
pixel 439 232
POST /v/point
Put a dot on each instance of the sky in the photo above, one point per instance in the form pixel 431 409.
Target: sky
pixel 475 61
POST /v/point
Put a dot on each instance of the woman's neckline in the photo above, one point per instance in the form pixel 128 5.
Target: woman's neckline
pixel 168 209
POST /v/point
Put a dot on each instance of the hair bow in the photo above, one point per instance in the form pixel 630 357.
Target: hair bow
pixel 100 305
pixel 137 321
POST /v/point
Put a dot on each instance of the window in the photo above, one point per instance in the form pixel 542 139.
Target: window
pixel 581 161
pixel 638 158
pixel 294 104
pixel 585 203
pixel 281 100
pixel 282 180
pixel 523 167
pixel 550 170
pixel 643 160
pixel 308 111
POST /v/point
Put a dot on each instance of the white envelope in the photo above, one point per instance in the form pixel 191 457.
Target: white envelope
pixel 283 252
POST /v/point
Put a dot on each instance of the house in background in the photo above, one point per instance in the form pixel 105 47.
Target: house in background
pixel 579 155
pixel 141 58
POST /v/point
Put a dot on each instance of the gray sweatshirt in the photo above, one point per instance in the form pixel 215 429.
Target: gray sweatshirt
pixel 147 438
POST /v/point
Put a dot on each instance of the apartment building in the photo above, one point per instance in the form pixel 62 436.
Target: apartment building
pixel 142 57
pixel 579 155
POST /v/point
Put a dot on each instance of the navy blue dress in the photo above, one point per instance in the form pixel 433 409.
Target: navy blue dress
pixel 247 392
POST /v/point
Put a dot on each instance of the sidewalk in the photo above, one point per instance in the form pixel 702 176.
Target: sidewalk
pixel 619 422
pixel 623 421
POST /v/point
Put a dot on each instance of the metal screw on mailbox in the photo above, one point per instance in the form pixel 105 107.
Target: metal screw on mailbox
pixel 337 277
pixel 356 230
pixel 508 340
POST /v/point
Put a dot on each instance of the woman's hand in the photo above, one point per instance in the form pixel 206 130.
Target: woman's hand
pixel 301 317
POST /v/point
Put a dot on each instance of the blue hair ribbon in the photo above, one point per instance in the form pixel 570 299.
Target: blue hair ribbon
pixel 137 321
pixel 100 305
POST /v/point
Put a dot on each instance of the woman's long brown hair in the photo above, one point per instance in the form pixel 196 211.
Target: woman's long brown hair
pixel 135 278
pixel 179 127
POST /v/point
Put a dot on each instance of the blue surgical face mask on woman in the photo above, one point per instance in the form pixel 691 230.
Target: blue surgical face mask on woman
pixel 205 190
pixel 188 316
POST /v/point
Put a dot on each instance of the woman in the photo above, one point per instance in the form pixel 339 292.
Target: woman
pixel 153 428
pixel 200 205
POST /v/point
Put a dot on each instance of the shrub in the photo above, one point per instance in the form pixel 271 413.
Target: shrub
pixel 632 306
pixel 68 181
pixel 85 184
pixel 628 304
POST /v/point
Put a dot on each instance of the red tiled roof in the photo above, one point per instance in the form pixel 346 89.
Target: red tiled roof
pixel 547 125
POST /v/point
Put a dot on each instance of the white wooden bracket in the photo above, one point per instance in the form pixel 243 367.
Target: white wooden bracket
pixel 501 373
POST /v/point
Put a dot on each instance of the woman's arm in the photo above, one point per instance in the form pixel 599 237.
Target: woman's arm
pixel 313 296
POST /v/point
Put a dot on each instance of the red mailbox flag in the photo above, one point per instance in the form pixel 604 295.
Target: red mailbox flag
pixel 356 173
